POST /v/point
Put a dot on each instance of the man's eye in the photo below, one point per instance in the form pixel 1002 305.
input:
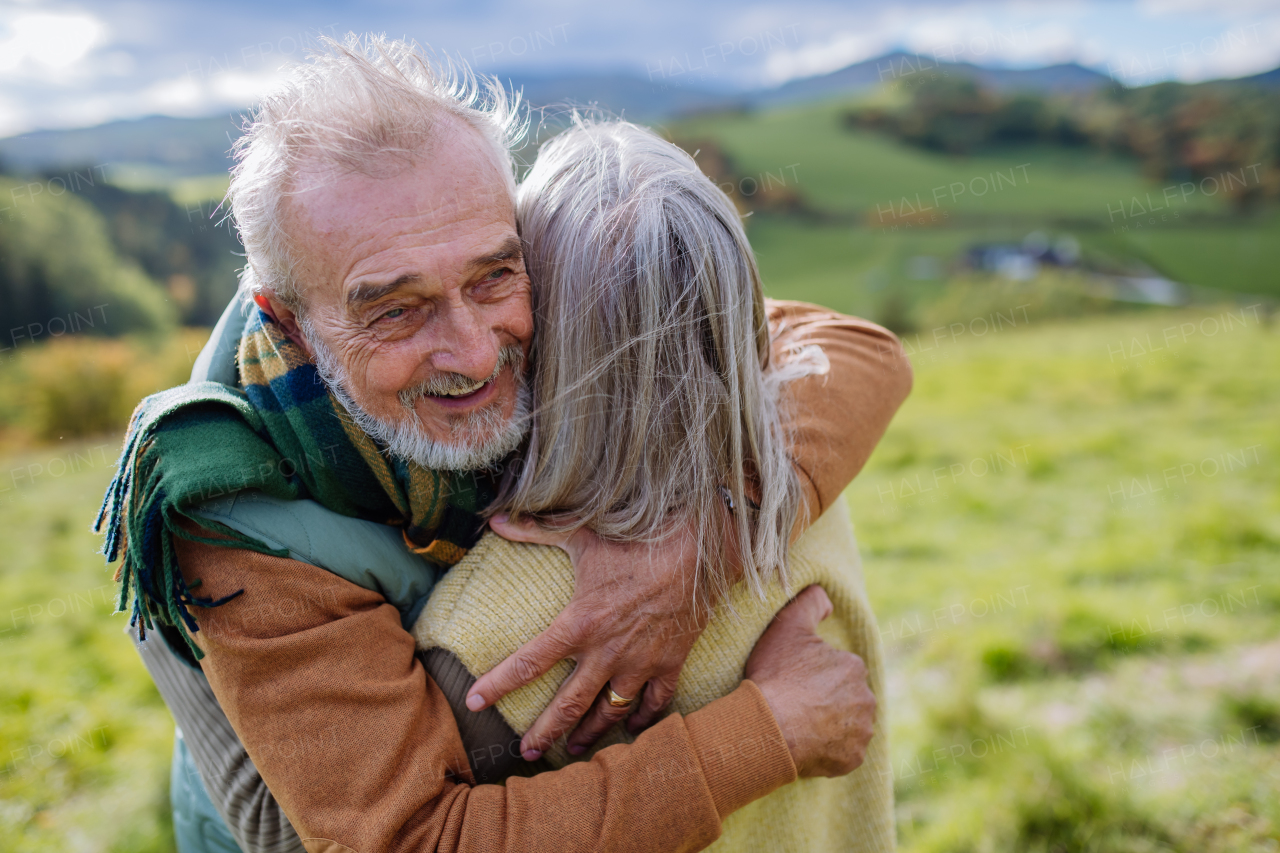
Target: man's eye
pixel 497 274
pixel 393 313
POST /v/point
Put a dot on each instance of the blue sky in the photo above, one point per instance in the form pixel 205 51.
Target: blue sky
pixel 74 64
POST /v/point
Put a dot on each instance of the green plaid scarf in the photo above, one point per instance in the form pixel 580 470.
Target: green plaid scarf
pixel 281 433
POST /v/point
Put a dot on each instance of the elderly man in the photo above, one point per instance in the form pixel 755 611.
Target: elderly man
pixel 379 382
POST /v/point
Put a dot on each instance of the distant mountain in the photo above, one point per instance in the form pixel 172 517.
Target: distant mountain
pixel 182 147
pixel 908 68
pixel 617 93
pixel 179 146
pixel 1051 79
pixel 623 94
pixel 1267 78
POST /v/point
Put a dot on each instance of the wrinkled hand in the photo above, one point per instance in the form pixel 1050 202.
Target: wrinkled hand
pixel 632 620
pixel 818 694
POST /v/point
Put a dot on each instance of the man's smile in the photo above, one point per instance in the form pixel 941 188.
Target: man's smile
pixel 464 392
pixel 462 399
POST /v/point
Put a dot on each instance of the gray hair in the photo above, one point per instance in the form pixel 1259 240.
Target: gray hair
pixel 652 403
pixel 364 105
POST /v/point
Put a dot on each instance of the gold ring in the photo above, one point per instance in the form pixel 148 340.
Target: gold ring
pixel 619 701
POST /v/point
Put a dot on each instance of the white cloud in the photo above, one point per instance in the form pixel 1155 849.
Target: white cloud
pixel 13 117
pixel 192 95
pixel 961 38
pixel 945 37
pixel 242 88
pixel 188 96
pixel 179 94
pixel 1234 51
pixel 38 43
pixel 1159 8
pixel 831 55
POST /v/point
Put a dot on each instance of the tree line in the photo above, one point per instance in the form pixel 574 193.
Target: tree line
pixel 1175 131
pixel 80 255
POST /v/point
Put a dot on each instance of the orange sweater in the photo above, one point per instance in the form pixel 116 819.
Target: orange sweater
pixel 360 748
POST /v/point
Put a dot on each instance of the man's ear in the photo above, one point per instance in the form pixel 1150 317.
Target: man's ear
pixel 286 318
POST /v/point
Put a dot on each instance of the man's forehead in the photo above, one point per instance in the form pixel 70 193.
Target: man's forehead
pixel 443 186
pixel 452 200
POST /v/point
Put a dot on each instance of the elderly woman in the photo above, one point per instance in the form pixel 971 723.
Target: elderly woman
pixel 656 409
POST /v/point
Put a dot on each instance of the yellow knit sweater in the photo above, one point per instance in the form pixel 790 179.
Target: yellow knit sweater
pixel 515 590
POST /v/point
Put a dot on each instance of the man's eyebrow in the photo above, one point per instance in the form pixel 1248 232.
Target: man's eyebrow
pixel 362 294
pixel 511 249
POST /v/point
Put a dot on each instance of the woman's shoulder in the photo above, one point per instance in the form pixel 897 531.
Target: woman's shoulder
pixel 499 592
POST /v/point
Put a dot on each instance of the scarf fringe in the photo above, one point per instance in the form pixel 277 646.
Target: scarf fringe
pixel 206 438
pixel 139 530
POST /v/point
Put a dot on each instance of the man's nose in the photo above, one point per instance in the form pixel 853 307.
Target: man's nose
pixel 466 344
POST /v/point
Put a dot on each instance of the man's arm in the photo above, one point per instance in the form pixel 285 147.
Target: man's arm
pixel 640 631
pixel 360 748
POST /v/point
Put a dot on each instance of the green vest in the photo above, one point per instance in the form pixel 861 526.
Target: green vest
pixel 366 553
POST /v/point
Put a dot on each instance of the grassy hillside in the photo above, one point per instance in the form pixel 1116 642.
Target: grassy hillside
pixel 874 204
pixel 844 171
pixel 1245 256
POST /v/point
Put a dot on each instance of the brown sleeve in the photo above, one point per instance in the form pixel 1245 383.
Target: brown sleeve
pixel 320 681
pixel 835 420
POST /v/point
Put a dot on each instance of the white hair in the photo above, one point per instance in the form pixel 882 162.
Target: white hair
pixel 652 402
pixel 366 105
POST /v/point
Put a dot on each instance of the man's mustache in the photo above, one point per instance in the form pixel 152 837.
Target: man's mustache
pixel 452 383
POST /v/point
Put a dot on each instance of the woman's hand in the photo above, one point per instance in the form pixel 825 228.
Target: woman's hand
pixel 632 620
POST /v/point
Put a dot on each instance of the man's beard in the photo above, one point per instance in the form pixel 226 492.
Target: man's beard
pixel 481 438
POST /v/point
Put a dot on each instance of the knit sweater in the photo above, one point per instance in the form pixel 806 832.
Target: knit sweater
pixel 515 591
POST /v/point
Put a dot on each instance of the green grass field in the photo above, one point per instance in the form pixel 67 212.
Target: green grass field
pixel 1072 544
pixel 86 738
